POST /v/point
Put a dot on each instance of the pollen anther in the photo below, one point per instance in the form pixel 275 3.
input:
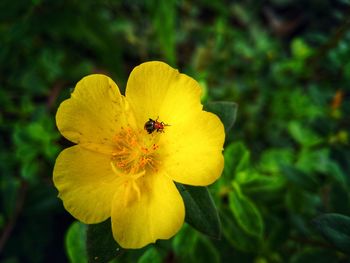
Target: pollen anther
pixel 133 153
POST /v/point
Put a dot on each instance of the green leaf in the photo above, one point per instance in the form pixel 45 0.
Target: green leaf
pixel 303 135
pixel 101 246
pixel 187 237
pixel 151 255
pixel 272 159
pixel 334 170
pixel 235 235
pixel 29 171
pixel 204 251
pixel 305 180
pixel 300 49
pixel 254 183
pixel 75 243
pixel 320 161
pixel 226 110
pixel 336 229
pixel 201 211
pixel 246 213
pixel 237 158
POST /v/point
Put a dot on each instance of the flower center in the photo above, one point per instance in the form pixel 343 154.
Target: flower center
pixel 135 151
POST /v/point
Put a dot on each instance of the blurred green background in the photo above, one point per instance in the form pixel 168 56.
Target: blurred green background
pixel 287 65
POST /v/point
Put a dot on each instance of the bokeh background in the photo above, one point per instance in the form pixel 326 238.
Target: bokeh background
pixel 285 63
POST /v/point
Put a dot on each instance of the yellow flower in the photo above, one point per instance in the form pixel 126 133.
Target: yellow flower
pixel 119 170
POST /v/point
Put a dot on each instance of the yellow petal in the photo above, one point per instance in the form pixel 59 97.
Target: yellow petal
pixel 145 210
pixel 86 183
pixel 155 89
pixel 192 151
pixel 93 114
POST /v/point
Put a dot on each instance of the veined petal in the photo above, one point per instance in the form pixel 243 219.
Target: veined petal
pixel 93 114
pixel 155 89
pixel 145 210
pixel 192 152
pixel 86 183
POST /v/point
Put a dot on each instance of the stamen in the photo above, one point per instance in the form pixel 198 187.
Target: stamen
pixel 134 152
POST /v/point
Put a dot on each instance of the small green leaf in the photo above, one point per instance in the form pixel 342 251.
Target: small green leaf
pixel 29 171
pixel 246 213
pixel 336 229
pixel 272 159
pixel 237 159
pixel 303 135
pixel 201 211
pixel 226 110
pixel 101 246
pixel 75 243
pixel 300 49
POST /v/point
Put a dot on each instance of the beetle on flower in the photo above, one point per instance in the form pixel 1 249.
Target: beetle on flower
pixel 155 125
pixel 119 170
